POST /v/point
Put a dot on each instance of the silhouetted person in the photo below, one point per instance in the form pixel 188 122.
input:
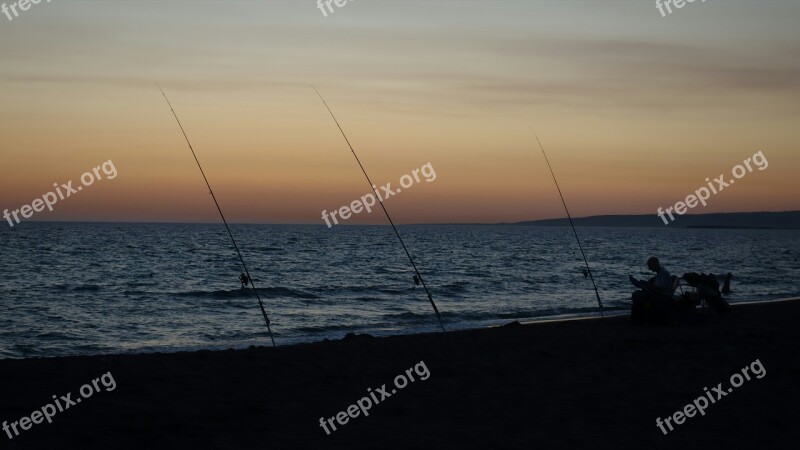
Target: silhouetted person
pixel 659 284
pixel 653 302
pixel 244 279
pixel 726 287
pixel 416 280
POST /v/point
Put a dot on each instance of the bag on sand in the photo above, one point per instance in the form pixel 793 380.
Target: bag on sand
pixel 708 288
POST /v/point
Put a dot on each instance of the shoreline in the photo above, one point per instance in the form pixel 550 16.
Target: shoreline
pixel 610 312
pixel 598 383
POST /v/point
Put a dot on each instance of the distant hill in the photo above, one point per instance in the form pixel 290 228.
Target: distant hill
pixel 777 220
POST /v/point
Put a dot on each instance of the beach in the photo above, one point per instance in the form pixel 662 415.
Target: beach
pixel 568 384
pixel 399 225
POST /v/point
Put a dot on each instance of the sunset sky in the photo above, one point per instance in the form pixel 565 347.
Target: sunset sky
pixel 634 109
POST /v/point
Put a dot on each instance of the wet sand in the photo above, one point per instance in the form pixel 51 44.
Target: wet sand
pixel 576 384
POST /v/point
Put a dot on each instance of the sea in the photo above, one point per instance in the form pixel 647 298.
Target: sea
pixel 102 288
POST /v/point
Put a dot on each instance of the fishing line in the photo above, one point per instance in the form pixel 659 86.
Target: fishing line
pixel 585 260
pixel 211 191
pixel 372 185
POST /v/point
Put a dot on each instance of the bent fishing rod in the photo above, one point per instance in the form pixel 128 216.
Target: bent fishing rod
pixel 391 222
pixel 585 260
pixel 230 233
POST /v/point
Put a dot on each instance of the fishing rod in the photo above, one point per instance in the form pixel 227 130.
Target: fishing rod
pixel 230 233
pixel 572 224
pixel 372 185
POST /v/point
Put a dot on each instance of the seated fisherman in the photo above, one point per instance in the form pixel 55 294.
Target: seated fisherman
pixel 654 300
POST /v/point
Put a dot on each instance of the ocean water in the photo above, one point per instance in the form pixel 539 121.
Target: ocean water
pixel 74 288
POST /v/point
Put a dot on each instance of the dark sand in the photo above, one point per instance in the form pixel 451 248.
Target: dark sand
pixel 573 385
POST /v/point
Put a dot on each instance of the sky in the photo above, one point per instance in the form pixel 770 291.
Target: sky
pixel 634 109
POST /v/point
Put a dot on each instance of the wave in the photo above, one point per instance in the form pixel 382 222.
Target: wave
pixel 247 293
pixel 459 287
pixel 86 287
pixel 477 316
pixel 329 328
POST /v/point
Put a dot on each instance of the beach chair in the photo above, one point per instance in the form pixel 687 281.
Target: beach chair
pixel 706 290
pixel 676 284
pixel 690 298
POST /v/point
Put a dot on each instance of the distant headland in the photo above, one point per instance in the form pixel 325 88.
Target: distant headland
pixel 758 220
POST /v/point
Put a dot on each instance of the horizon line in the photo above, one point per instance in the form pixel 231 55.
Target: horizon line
pixel 379 225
